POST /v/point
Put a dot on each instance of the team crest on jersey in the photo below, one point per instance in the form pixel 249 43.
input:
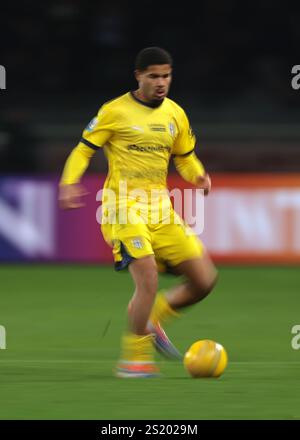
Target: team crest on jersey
pixel 172 129
pixel 91 125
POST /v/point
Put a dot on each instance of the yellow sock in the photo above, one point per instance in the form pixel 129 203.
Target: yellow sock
pixel 162 311
pixel 136 348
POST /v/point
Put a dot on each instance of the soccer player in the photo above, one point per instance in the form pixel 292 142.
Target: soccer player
pixel 139 132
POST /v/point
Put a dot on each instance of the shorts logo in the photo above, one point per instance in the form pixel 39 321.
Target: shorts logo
pixel 92 124
pixel 137 243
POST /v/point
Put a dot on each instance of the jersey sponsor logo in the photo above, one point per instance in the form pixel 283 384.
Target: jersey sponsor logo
pixel 172 129
pixel 157 127
pixel 91 125
pixel 149 148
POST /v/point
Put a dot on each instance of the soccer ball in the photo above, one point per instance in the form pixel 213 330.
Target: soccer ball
pixel 205 358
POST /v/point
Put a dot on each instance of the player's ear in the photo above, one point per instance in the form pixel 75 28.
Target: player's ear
pixel 137 74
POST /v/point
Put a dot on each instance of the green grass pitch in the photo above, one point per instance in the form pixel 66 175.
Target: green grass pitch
pixel 63 327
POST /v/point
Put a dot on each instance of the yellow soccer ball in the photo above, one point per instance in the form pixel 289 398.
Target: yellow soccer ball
pixel 205 358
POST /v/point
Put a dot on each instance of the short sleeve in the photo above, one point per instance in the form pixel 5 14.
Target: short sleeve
pixel 185 140
pixel 100 129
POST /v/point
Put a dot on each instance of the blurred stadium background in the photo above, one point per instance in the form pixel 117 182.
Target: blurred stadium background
pixel 232 74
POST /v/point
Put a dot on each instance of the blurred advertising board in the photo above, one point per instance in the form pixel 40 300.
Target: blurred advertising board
pixel 247 219
pixel 34 228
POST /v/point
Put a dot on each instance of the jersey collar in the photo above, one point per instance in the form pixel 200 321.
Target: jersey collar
pixel 147 104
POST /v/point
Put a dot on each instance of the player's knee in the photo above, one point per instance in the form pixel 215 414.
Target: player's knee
pixel 211 283
pixel 202 288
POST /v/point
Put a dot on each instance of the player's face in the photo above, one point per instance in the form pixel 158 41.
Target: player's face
pixel 154 82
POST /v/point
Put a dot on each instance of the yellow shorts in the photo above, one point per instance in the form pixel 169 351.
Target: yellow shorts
pixel 171 244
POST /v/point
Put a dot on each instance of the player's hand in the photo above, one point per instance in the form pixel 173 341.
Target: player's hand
pixel 69 196
pixel 204 183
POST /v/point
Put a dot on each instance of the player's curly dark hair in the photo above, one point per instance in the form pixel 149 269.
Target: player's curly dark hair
pixel 152 55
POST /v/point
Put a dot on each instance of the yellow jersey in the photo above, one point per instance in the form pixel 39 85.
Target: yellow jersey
pixel 138 140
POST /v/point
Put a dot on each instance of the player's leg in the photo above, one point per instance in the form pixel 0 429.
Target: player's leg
pixel 184 253
pixel 132 248
pixel 145 277
pixel 201 276
pixel 137 345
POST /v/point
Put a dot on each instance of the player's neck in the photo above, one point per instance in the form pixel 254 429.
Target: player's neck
pixel 140 95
